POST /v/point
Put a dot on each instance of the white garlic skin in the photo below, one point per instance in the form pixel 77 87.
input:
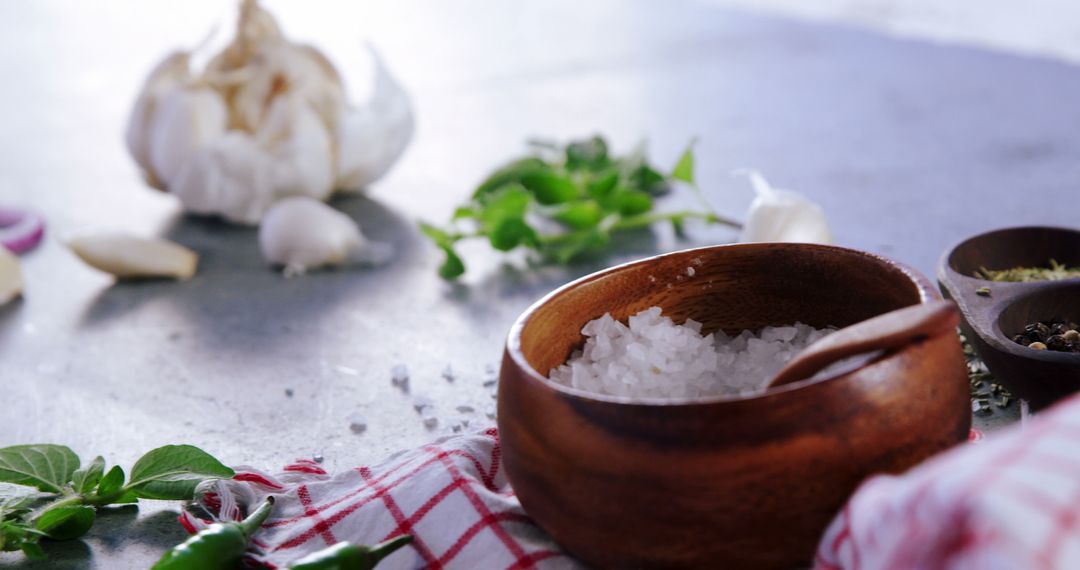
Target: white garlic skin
pixel 11 281
pixel 132 257
pixel 783 216
pixel 302 233
pixel 266 118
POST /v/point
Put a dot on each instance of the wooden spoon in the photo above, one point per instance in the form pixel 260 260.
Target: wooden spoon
pixel 892 330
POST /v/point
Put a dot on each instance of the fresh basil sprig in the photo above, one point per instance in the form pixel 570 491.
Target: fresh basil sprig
pixel 45 494
pixel 565 202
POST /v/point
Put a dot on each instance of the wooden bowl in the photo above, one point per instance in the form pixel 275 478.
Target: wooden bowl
pixel 990 322
pixel 725 481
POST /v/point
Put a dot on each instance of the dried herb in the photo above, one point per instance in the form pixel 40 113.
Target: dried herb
pixel 1054 272
pixel 985 393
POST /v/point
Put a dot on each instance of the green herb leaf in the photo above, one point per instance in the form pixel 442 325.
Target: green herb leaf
pixel 84 480
pixel 67 522
pixel 510 174
pixel 580 215
pixel 633 202
pixel 550 188
pixel 602 187
pixel 32 550
pixel 173 471
pixel 452 267
pixel 110 483
pixel 684 169
pixel 45 466
pixel 590 154
pixel 511 233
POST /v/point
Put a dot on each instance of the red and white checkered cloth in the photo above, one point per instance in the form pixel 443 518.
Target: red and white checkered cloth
pixel 1011 501
pixel 451 496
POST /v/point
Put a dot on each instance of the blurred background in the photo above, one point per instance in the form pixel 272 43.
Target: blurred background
pixel 913 124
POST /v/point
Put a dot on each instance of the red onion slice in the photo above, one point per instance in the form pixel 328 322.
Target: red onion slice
pixel 20 230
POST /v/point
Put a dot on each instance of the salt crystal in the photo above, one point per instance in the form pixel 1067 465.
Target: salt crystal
pixel 465 409
pixel 420 402
pixel 690 271
pixel 448 373
pixel 399 374
pixel 428 415
pixel 651 356
pixel 490 382
pixel 357 423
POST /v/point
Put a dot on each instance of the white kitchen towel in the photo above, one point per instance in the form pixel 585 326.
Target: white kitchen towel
pixel 451 496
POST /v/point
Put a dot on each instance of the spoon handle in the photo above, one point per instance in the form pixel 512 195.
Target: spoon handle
pixel 891 330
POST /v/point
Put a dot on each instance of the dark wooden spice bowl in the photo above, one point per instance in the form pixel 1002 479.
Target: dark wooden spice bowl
pixel 727 481
pixel 990 321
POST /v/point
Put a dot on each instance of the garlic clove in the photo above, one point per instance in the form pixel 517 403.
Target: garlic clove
pixel 239 176
pixel 129 257
pixel 302 233
pixel 372 137
pixel 283 67
pixel 171 73
pixel 783 216
pixel 11 281
pixel 186 119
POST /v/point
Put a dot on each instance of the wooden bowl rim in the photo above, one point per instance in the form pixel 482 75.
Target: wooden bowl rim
pixel 945 263
pixel 513 339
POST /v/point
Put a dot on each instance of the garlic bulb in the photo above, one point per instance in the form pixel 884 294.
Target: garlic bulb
pixel 783 215
pixel 11 282
pixel 130 257
pixel 301 233
pixel 267 118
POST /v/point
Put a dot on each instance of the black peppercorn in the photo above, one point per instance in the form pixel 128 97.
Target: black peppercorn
pixel 1037 332
pixel 1058 328
pixel 1057 342
pixel 1021 340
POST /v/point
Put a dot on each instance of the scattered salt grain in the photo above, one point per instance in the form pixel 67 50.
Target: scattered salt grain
pixel 317 458
pixel 690 271
pixel 464 409
pixel 427 414
pixel 448 373
pixel 420 402
pixel 399 374
pixel 288 392
pixel 652 357
pixel 490 382
pixel 357 423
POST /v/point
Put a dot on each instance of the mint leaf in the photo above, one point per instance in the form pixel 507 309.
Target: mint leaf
pixel 84 480
pixel 511 202
pixel 684 169
pixel 111 483
pixel 173 471
pixel 604 185
pixel 66 523
pixel 45 466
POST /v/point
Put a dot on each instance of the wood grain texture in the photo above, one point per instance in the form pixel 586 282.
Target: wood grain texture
pixel 989 322
pixel 742 482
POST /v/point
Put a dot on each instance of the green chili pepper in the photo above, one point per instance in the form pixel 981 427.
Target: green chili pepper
pixel 219 546
pixel 345 556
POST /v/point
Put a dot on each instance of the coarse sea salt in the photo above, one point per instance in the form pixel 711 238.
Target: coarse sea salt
pixel 653 357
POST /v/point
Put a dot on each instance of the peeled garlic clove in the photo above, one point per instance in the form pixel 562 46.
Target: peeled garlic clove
pixel 185 120
pixel 11 282
pixel 171 73
pixel 127 256
pixel 784 216
pixel 302 233
pixel 372 137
